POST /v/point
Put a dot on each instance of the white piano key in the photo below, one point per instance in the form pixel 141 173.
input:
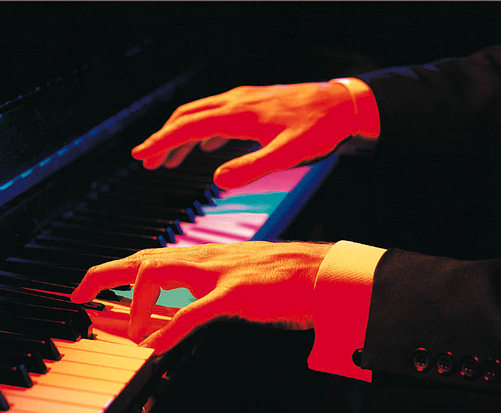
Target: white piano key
pixel 78 383
pixel 71 368
pixel 101 359
pixel 21 404
pixel 61 395
pixel 106 348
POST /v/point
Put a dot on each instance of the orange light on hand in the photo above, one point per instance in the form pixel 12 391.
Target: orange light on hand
pixel 293 124
pixel 256 281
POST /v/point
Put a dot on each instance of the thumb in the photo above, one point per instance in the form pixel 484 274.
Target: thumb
pixel 249 167
pixel 188 319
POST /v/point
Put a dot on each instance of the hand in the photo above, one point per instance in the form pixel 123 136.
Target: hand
pixel 293 123
pixel 257 281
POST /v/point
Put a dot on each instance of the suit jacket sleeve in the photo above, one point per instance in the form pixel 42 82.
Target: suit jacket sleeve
pixel 452 98
pixel 436 318
pixel 430 317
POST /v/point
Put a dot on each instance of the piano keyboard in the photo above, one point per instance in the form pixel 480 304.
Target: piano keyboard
pixel 100 369
pixel 90 376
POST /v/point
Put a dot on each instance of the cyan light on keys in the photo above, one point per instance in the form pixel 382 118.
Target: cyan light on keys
pixel 252 212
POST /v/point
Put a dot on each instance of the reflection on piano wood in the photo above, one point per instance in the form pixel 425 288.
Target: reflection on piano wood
pixel 98 368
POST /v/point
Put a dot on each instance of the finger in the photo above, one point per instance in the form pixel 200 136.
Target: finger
pixel 208 103
pixel 212 306
pixel 145 296
pixel 156 273
pixel 252 166
pixel 193 127
pixel 108 275
pixel 213 143
pixel 178 155
pixel 155 161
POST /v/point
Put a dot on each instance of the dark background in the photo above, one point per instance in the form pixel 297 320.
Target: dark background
pixel 267 41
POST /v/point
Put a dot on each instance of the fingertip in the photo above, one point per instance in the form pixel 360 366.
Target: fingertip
pixel 213 144
pixel 149 166
pixel 137 152
pixel 221 178
pixel 145 343
pixel 154 162
pixel 173 163
pixel 152 342
pixel 226 177
pixel 135 332
pixel 78 298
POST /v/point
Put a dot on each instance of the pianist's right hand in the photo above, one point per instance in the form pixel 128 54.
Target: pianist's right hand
pixel 293 123
pixel 258 281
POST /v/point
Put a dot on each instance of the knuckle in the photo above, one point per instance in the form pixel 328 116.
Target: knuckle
pixel 147 264
pixel 92 270
pixel 178 112
pixel 145 252
pixel 242 89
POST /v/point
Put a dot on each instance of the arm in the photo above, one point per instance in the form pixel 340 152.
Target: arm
pixel 448 308
pixel 452 97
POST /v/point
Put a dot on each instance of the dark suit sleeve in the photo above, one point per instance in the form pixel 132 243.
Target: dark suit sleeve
pixel 455 97
pixel 436 318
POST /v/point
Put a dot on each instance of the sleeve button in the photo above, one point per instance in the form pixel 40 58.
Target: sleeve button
pixel 491 370
pixel 421 360
pixel 357 357
pixel 469 367
pixel 445 364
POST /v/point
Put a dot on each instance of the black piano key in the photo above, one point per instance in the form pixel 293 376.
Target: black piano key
pixel 18 342
pixel 63 256
pixel 200 166
pixel 167 196
pixel 77 315
pixel 108 295
pixel 4 405
pixel 164 182
pixel 44 298
pixel 164 176
pixel 119 218
pixel 26 281
pixel 182 214
pixel 94 306
pixel 84 246
pixel 14 375
pixel 39 327
pixel 104 224
pixel 42 270
pixel 118 239
pixel 123 288
pixel 32 361
pixel 157 203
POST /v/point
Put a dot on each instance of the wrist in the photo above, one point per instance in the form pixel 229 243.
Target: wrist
pixel 367 123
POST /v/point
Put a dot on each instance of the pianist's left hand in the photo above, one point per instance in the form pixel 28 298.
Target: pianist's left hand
pixel 293 123
pixel 257 281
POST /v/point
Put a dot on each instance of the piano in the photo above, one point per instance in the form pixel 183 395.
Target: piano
pixel 72 197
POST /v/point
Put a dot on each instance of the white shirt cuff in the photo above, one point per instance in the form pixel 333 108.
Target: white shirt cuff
pixel 342 294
